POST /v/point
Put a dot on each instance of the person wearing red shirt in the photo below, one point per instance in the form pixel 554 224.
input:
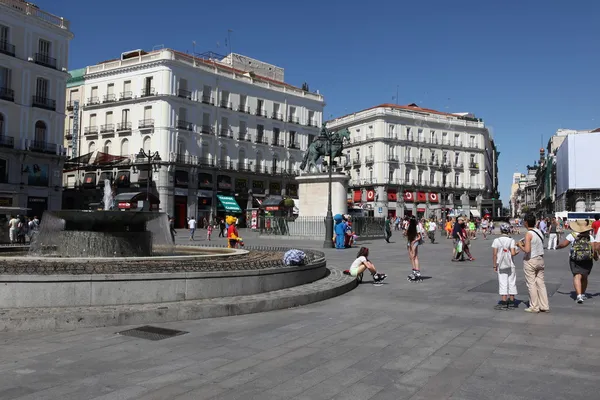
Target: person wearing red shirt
pixel 596 224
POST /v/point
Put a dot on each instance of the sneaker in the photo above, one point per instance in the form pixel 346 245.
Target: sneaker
pixel 511 304
pixel 502 305
pixel 580 299
pixel 378 278
pixel 531 310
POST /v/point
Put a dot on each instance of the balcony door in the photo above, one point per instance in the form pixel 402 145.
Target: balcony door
pixel 44 47
pixel 41 88
pixel 40 132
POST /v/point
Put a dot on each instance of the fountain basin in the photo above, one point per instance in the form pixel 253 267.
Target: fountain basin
pixel 217 272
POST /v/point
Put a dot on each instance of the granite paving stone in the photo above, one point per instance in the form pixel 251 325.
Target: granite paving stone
pixel 439 339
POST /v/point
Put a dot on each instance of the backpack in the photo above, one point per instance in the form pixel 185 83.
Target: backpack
pixel 294 257
pixel 582 249
pixel 504 257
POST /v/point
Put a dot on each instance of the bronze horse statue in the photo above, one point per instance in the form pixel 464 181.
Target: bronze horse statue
pixel 321 147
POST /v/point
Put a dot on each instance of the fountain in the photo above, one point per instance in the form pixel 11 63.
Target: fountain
pixel 110 258
pixel 108 199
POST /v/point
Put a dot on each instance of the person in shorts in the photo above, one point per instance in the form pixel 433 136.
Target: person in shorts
pixel 583 252
pixel 362 263
pixel 504 249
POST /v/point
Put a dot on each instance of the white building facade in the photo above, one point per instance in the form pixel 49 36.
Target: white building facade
pixel 406 160
pixel 218 128
pixel 34 51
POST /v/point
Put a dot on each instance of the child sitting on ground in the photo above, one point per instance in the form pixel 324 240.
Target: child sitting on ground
pixel 504 249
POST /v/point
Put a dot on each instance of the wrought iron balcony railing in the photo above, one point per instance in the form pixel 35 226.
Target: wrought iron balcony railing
pixel 43 102
pixel 45 60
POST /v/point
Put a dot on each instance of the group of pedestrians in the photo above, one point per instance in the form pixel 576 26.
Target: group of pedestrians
pixel 22 229
pixel 584 244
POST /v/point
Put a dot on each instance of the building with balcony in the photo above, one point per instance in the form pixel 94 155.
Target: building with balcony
pixel 34 50
pixel 221 125
pixel 408 160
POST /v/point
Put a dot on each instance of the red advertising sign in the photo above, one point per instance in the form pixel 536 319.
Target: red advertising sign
pixel 421 197
pixel 124 205
pixel 409 197
pixel 392 195
pixel 433 197
pixel 357 196
pixel 370 195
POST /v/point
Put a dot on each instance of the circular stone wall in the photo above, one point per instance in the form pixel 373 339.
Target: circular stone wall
pixel 51 282
pixel 101 244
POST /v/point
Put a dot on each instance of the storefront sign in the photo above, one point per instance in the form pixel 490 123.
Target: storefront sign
pixel 433 197
pixel 204 193
pixel 370 195
pixel 357 196
pixel 409 197
pixel 181 192
pixel 392 196
pixel 6 201
pixel 421 197
pixel 272 208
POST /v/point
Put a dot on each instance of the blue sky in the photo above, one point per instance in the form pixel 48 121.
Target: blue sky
pixel 526 67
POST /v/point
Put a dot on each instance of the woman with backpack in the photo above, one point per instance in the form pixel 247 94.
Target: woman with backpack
pixel 583 253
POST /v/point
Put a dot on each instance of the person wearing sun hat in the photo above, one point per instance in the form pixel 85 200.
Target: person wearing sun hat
pixel 583 252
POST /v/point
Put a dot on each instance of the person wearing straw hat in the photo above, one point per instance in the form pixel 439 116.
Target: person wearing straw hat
pixel 583 252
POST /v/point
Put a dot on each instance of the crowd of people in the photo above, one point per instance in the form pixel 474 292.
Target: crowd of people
pixel 21 229
pixel 583 242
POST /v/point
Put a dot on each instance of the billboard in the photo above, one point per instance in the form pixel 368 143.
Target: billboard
pixel 575 163
pixel 37 174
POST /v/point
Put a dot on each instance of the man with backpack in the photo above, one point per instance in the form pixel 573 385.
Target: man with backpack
pixel 582 255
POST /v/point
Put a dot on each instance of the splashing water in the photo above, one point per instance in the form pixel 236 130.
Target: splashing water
pixel 108 196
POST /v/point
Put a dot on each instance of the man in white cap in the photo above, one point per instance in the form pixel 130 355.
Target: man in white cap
pixel 583 252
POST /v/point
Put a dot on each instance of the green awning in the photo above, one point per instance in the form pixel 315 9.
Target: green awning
pixel 229 203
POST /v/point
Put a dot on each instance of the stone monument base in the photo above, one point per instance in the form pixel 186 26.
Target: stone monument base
pixel 313 192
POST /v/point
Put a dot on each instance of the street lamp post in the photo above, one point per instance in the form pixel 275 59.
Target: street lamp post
pixel 328 242
pixel 445 171
pixel 152 157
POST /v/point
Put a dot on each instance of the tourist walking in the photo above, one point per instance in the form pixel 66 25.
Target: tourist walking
pixel 222 228
pixel 583 252
pixel 504 249
pixel 533 266
pixel 387 229
pixel 13 229
pixel 431 228
pixel 192 226
pixel 362 263
pixel 209 230
pixel 552 234
pixel 414 239
pixel 485 225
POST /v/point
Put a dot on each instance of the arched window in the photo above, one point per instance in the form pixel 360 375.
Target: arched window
pixel 91 147
pixel 124 147
pixel 1 124
pixel 107 146
pixel 147 143
pixel 40 132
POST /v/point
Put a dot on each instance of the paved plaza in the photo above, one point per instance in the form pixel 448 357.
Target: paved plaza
pixel 440 339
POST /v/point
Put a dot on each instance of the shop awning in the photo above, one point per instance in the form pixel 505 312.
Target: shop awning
pixel 475 213
pixel 229 203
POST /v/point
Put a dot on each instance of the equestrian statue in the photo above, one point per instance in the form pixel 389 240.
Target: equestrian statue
pixel 325 145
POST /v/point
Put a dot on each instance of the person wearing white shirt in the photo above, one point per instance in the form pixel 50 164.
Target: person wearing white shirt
pixel 583 252
pixel 431 230
pixel 192 226
pixel 533 266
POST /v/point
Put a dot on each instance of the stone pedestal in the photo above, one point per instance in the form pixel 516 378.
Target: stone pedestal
pixel 313 191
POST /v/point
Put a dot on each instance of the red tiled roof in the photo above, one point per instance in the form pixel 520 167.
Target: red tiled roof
pixel 596 130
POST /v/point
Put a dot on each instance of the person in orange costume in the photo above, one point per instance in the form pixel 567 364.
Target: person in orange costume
pixel 233 238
